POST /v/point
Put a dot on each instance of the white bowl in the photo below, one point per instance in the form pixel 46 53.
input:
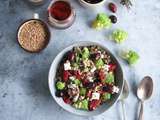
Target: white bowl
pixel 92 6
pixel 52 73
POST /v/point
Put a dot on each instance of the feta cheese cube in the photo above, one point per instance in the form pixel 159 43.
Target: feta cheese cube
pixel 67 65
pixel 102 56
pixel 115 89
pixel 75 98
pixel 72 86
pixel 93 69
pixel 72 78
pixel 90 79
pixel 106 68
pixel 95 96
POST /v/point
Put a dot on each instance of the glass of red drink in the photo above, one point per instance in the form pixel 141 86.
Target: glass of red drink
pixel 61 14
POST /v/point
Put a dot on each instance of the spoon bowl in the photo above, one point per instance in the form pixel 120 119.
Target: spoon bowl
pixel 144 92
pixel 145 88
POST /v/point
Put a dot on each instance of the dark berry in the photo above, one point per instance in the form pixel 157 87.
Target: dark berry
pixel 71 56
pixel 97 80
pixel 113 18
pixel 112 7
pixel 98 55
pixel 105 88
pixel 59 93
pixel 93 56
pixel 90 85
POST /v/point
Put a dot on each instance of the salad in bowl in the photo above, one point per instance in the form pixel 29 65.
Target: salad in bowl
pixel 85 78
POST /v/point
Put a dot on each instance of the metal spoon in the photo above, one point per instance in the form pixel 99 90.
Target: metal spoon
pixel 124 95
pixel 144 92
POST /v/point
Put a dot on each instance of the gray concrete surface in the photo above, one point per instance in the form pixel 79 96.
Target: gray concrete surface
pixel 24 93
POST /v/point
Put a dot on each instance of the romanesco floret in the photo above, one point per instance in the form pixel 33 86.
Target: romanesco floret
pixel 60 85
pixel 119 36
pixel 101 21
pixel 106 96
pixel 82 104
pixel 130 56
pixel 110 78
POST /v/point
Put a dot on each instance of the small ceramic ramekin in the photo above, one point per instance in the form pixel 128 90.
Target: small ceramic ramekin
pixel 91 5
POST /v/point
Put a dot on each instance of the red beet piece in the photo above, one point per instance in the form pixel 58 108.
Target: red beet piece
pixel 67 100
pixel 71 56
pixel 66 75
pixel 94 104
pixel 112 67
pixel 102 75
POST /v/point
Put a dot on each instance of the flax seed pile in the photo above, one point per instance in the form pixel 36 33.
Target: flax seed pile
pixel 33 36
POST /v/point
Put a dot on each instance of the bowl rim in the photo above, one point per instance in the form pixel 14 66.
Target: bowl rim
pixel 81 43
pixel 90 4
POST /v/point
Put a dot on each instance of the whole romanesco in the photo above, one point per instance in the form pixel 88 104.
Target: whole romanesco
pixel 119 36
pixel 101 21
pixel 130 56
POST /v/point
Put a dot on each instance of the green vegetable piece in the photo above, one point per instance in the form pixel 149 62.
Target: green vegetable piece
pixel 106 96
pixel 110 78
pixel 84 105
pixel 99 63
pixel 77 59
pixel 81 104
pixel 101 21
pixel 83 91
pixel 77 82
pixel 85 53
pixel 60 85
pixel 96 24
pixel 119 36
pixel 104 19
pixel 130 56
pixel 75 65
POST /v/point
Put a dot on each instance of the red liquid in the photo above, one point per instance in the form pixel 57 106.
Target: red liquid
pixel 60 10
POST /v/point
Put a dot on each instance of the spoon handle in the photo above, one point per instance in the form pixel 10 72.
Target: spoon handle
pixel 123 110
pixel 141 112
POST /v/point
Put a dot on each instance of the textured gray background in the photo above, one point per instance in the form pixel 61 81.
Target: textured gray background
pixel 24 93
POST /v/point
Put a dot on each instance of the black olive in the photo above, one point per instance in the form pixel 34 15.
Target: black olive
pixel 89 85
pixel 113 18
pixel 59 93
pixel 105 88
pixel 97 80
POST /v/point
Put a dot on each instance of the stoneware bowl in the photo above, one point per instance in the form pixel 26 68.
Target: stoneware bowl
pixel 52 73
pixel 90 5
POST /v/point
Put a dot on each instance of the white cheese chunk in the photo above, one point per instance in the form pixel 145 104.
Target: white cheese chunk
pixel 67 65
pixel 90 79
pixel 75 98
pixel 72 78
pixel 115 89
pixel 93 69
pixel 106 68
pixel 95 96
pixel 102 56
pixel 72 86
